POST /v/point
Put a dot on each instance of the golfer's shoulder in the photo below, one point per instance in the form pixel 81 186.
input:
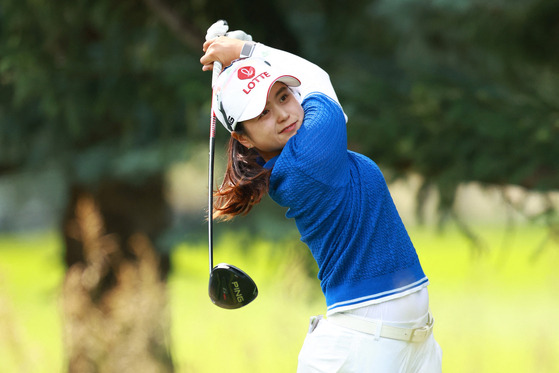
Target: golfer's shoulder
pixel 320 106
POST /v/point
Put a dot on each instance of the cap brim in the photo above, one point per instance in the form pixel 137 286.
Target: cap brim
pixel 257 105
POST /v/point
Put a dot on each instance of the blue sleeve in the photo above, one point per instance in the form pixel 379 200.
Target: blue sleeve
pixel 319 149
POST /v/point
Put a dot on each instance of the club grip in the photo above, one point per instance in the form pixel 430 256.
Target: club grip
pixel 216 71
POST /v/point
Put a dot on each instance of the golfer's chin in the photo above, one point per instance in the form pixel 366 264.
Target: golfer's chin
pixel 290 135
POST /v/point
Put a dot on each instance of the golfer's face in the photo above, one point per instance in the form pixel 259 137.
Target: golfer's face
pixel 282 117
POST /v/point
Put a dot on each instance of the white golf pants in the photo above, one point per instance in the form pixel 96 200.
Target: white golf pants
pixel 331 348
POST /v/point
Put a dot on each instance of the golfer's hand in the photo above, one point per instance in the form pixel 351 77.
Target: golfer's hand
pixel 222 49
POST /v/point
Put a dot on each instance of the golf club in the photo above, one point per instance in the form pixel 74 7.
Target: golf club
pixel 229 286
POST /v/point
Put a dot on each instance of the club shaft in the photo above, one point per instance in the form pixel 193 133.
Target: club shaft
pixel 216 71
pixel 210 190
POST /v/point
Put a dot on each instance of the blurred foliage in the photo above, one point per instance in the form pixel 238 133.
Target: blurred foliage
pixel 100 87
pixel 456 91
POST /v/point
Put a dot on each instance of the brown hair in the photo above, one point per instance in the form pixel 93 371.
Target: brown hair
pixel 244 184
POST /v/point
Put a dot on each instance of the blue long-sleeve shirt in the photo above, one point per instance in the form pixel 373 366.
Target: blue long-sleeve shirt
pixel 344 212
pixel 340 202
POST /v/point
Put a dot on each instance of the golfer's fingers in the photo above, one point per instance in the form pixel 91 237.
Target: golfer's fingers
pixel 209 67
pixel 207 61
pixel 210 56
pixel 222 49
pixel 207 43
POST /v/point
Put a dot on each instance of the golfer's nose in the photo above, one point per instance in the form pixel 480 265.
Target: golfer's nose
pixel 282 115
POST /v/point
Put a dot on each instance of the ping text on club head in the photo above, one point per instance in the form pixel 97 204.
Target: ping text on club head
pixel 237 291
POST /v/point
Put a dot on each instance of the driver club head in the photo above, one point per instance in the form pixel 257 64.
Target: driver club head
pixel 230 287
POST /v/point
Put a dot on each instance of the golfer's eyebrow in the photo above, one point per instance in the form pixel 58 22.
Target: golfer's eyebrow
pixel 280 91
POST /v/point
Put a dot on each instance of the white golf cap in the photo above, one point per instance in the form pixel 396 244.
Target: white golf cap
pixel 242 89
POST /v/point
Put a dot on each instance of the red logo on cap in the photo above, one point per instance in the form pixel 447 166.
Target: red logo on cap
pixel 246 72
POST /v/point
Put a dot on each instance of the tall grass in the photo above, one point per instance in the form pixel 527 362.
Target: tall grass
pixel 495 310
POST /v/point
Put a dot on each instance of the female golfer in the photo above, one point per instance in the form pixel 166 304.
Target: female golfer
pixel 288 139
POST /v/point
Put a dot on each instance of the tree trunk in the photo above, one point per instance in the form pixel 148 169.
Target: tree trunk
pixel 114 295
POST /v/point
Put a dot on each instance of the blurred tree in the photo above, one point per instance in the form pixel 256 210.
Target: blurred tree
pixel 112 93
pixel 100 90
pixel 456 91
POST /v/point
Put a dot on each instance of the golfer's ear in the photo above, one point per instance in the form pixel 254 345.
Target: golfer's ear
pixel 243 139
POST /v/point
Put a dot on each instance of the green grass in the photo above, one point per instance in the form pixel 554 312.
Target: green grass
pixel 495 312
pixel 30 322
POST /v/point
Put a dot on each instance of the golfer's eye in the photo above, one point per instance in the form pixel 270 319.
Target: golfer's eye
pixel 263 114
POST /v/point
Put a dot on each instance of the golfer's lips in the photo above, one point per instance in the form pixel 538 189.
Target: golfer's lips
pixel 289 128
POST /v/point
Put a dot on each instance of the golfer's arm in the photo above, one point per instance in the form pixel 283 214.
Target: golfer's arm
pixel 313 78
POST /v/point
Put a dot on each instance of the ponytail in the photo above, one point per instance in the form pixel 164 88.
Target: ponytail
pixel 244 184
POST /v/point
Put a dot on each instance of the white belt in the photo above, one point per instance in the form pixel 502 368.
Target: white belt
pixel 386 331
